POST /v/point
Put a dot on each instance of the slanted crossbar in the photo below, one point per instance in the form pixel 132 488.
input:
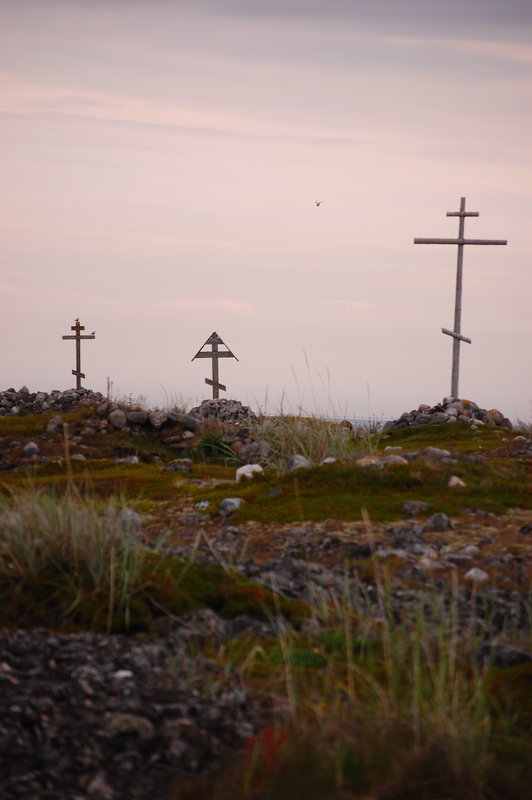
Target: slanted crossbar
pixel 78 337
pixel 460 241
pixel 214 353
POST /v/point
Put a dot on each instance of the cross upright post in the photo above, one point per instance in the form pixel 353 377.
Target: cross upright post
pixel 78 337
pixel 460 241
pixel 214 353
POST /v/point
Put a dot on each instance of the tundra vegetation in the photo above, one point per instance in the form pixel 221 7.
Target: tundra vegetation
pixel 367 695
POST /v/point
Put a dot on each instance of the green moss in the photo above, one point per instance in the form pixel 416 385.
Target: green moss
pixel 341 491
pixel 28 424
pixel 457 437
pixel 58 598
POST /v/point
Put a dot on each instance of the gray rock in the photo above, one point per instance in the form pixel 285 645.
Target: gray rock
pixel 369 461
pixel 117 419
pixel 102 409
pixel 297 461
pixel 254 452
pixel 438 522
pixel 436 452
pixel 158 418
pixel 415 507
pixel 230 505
pixel 31 449
pixel 178 465
pixel 475 575
pixel 394 461
pixel 54 425
pixel 405 537
pixel 501 655
pixel 135 417
pixel 188 422
pixel 438 418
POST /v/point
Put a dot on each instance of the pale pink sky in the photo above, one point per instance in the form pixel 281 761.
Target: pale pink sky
pixel 160 164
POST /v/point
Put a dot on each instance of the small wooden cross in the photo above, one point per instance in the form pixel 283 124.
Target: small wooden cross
pixel 78 337
pixel 214 341
pixel 460 241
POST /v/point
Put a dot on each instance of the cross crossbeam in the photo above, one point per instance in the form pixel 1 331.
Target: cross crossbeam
pixel 460 241
pixel 78 336
pixel 214 353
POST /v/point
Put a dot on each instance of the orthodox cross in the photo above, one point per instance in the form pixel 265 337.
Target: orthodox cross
pixel 78 337
pixel 460 241
pixel 214 353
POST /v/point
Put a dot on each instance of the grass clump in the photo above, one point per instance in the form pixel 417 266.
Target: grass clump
pixel 312 437
pixel 71 559
pixel 73 563
pixel 381 708
pixel 214 450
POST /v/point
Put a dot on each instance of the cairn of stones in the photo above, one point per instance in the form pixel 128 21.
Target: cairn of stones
pixel 450 411
pixel 25 402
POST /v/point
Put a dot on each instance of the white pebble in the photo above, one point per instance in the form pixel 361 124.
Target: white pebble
pixel 455 482
pixel 247 471
pixel 476 575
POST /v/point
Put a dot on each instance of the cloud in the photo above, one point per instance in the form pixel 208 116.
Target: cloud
pixel 355 305
pixel 520 53
pixel 23 98
pixel 516 52
pixel 196 305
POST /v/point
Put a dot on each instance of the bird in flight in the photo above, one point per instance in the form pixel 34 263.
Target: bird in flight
pixel 319 202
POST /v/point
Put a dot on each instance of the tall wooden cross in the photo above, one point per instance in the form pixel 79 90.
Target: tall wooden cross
pixel 214 341
pixel 78 337
pixel 460 241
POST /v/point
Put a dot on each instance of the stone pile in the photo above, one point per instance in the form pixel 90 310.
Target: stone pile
pixel 25 402
pixel 449 411
pixel 224 410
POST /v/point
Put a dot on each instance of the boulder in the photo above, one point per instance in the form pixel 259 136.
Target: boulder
pixel 158 418
pixel 54 425
pixel 229 506
pixel 137 417
pixel 117 419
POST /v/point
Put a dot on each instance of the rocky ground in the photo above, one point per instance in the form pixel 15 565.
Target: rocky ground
pixel 89 716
